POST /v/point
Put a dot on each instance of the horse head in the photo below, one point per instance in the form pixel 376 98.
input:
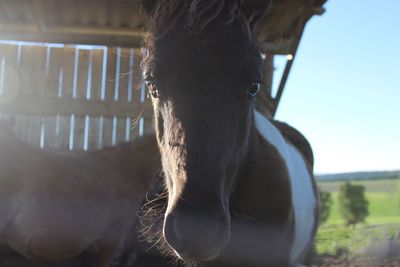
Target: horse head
pixel 203 70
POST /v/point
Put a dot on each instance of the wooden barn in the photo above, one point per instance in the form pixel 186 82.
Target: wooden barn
pixel 70 72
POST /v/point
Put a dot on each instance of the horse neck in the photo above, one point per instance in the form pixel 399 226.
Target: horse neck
pixel 261 171
pixel 257 145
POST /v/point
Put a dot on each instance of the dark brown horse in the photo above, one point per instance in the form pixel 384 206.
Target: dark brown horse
pixel 239 187
pixel 54 206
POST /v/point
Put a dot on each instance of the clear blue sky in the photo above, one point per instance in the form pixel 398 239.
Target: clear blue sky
pixel 343 92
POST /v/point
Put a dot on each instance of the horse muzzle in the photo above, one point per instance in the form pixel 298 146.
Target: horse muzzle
pixel 196 235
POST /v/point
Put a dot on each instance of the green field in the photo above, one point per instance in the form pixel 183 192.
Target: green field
pixel 383 197
pixel 352 242
pixel 383 222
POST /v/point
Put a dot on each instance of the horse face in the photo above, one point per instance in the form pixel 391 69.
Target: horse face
pixel 200 86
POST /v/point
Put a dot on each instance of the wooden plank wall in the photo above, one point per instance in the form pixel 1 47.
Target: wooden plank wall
pixel 73 97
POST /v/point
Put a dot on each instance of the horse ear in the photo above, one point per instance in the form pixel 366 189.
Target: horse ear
pixel 149 5
pixel 254 10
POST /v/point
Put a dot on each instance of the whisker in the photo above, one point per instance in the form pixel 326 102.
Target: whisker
pixel 122 75
pixel 145 108
pixel 115 52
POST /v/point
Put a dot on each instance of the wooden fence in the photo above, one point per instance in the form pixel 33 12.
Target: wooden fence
pixel 73 97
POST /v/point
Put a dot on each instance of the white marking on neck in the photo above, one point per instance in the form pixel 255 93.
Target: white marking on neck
pixel 303 196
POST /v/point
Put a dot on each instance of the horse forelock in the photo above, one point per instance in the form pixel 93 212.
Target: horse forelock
pixel 192 18
pixel 195 14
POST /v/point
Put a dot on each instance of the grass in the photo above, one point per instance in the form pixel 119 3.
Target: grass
pixel 383 221
pixel 352 242
pixel 383 197
pixel 384 208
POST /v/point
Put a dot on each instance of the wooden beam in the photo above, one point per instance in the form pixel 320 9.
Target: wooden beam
pixel 109 31
pixel 264 102
pixel 49 106
pixel 121 41
pixel 318 10
pixel 285 75
pixel 39 11
pixel 279 47
pixel 109 36
pixel 18 27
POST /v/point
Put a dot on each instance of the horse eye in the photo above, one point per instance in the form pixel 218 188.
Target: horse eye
pixel 153 91
pixel 254 88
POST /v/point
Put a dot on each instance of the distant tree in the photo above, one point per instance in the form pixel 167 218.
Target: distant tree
pixel 325 202
pixel 352 203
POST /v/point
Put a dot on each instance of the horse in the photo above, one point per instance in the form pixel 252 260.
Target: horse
pixel 238 187
pixel 54 205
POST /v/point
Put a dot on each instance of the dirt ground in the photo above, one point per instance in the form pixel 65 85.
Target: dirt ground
pixel 329 261
pixel 9 258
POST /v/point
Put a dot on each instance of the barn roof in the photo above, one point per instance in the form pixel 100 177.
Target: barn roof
pixel 123 23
